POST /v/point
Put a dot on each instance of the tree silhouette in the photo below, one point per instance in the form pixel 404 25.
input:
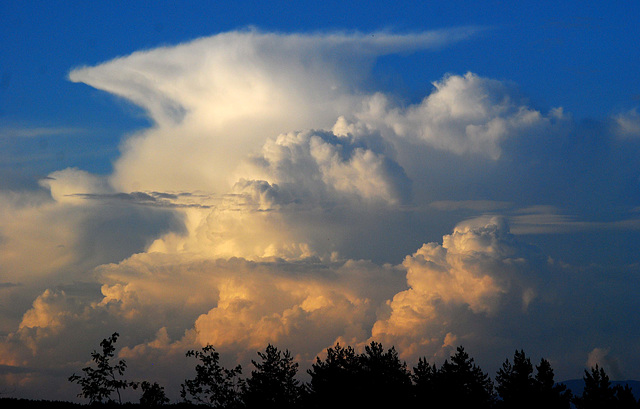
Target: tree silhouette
pixel 387 379
pixel 334 380
pixel 598 392
pixel 273 384
pixel 461 383
pixel 518 388
pixel 98 384
pixel 346 379
pixel 548 393
pixel 515 383
pixel 213 385
pixel 625 398
pixel 424 380
pixel 152 395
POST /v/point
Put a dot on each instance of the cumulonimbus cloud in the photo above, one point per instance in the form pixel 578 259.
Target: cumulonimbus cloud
pixel 214 99
pixel 274 201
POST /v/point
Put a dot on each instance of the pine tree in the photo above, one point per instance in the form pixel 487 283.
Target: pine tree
pixel 386 379
pixel 346 379
pixel 515 383
pixel 548 393
pixel 461 383
pixel 518 388
pixel 424 380
pixel 273 383
pixel 598 392
pixel 335 380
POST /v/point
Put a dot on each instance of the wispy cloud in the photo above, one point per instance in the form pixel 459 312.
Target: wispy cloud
pixel 156 199
pixel 28 132
pixel 475 205
pixel 548 220
pixel 10 285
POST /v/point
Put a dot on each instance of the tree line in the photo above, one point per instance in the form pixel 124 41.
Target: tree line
pixel 347 379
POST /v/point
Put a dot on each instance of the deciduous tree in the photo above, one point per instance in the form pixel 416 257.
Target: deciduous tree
pixel 152 395
pixel 213 384
pixel 98 384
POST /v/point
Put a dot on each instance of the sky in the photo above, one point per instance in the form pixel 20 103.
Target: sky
pixel 243 173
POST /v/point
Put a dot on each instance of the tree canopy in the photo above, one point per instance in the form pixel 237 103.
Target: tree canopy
pixel 345 378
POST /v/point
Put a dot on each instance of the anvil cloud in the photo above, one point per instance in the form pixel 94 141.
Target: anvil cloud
pixel 277 199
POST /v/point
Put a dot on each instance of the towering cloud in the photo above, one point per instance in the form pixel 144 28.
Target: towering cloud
pixel 273 200
pixel 216 99
pixel 477 273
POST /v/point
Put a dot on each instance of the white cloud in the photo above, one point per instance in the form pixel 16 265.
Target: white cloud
pixel 320 166
pixel 464 115
pixel 628 123
pixel 215 99
pixel 251 210
pixel 65 185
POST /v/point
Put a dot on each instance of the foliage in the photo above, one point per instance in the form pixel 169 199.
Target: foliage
pixel 424 380
pixel 345 379
pixel 458 383
pixel 548 393
pixel 625 398
pixel 273 383
pixel 213 385
pixel 99 384
pixel 598 392
pixel 152 395
pixel 515 383
pixel 518 388
pixel 334 379
pixel 386 378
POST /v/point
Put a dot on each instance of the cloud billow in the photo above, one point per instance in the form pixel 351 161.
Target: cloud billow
pixel 273 200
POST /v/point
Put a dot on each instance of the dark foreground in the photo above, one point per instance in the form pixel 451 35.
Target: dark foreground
pixel 347 379
pixel 9 403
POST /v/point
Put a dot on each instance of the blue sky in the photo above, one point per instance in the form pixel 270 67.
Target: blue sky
pixel 421 174
pixel 578 56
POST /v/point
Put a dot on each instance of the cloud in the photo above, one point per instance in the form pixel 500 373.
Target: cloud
pixel 275 201
pixel 214 99
pixel 153 199
pixel 476 205
pixel 602 358
pixel 33 132
pixel 64 185
pixel 464 114
pixel 165 304
pixel 472 288
pixel 628 124
pixel 323 166
pixel 53 237
pixel 478 271
pixel 547 220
